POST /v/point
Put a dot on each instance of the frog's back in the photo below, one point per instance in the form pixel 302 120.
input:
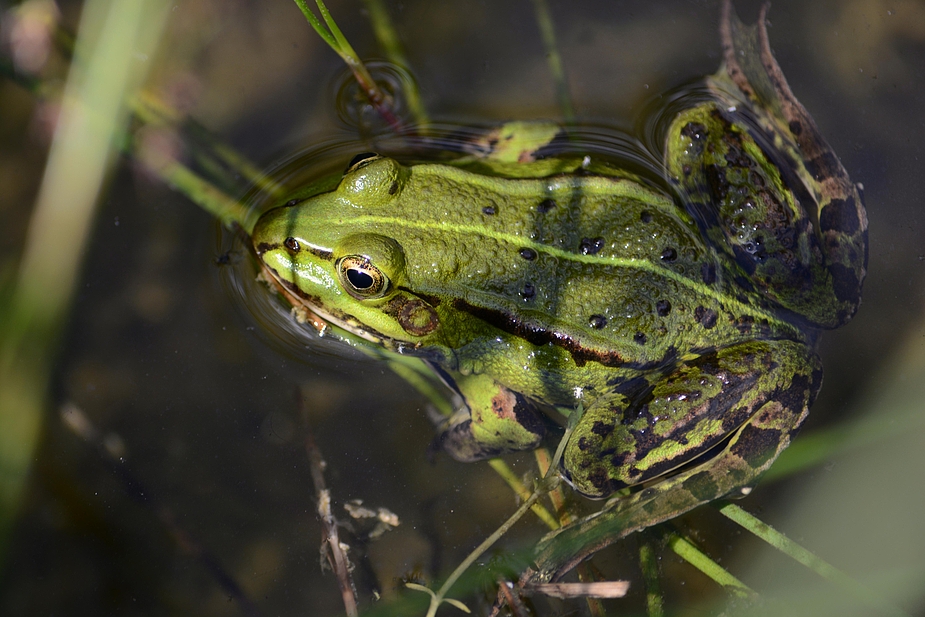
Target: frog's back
pixel 605 267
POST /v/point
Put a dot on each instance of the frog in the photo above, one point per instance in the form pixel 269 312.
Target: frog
pixel 674 320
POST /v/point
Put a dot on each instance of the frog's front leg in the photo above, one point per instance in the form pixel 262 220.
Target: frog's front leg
pixel 766 388
pixel 494 421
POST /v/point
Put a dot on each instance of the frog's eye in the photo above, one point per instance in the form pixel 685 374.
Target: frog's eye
pixel 360 278
pixel 361 160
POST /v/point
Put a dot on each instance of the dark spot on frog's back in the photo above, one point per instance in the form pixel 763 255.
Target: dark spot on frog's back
pixel 694 130
pixel 802 391
pixel 796 128
pixel 602 429
pixel 663 308
pixel 645 216
pixel 545 206
pixel 489 211
pixel 528 254
pixel 598 477
pixel 840 215
pixel 744 324
pixel 583 444
pixel 639 338
pixel 617 460
pixel 597 321
pixel 706 317
pixel 528 416
pixel 590 246
pixel 669 254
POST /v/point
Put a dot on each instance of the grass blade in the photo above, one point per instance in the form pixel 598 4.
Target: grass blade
pixel 808 559
pixel 113 34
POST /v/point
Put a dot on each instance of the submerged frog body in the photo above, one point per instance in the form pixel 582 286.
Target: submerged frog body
pixel 681 322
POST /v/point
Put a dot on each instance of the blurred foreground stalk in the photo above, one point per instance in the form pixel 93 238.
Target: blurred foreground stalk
pixel 115 40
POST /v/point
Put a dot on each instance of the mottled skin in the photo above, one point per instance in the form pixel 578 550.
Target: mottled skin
pixel 683 323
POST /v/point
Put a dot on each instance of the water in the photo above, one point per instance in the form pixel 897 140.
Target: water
pixel 157 354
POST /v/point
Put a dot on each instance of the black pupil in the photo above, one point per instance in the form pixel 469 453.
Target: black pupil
pixel 359 279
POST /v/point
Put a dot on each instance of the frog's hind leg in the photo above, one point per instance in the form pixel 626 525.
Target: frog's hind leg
pixel 757 173
pixel 839 212
pixel 779 403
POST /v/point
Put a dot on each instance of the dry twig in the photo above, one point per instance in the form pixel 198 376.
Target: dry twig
pixel 331 546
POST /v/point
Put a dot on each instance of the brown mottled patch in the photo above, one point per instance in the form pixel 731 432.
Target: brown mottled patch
pixel 415 316
pixel 503 404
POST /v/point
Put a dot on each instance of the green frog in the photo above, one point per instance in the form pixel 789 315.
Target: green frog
pixel 680 316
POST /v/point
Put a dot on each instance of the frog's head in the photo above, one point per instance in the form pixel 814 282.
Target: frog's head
pixel 332 251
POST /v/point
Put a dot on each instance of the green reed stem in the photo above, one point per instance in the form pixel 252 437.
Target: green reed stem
pixel 92 120
pixel 331 34
pixel 648 563
pixel 697 558
pixel 548 482
pixel 388 40
pixel 153 111
pixel 554 58
pixel 811 561
pixel 507 474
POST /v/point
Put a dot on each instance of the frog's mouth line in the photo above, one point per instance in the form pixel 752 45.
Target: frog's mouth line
pixel 320 318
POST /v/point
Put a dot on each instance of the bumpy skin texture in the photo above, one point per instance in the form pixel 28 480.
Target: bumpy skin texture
pixel 682 323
